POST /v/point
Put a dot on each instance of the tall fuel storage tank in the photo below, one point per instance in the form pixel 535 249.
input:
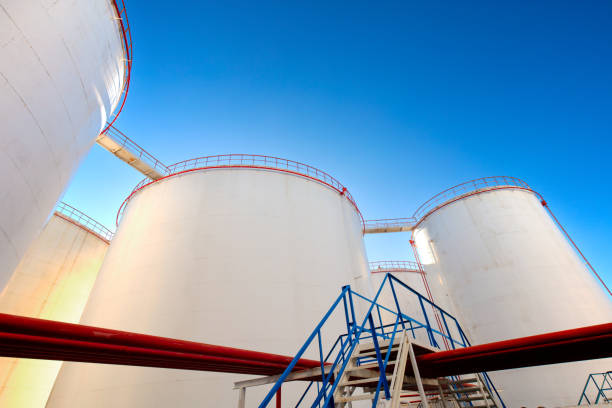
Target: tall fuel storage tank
pixel 236 250
pixel 63 71
pixel 502 266
pixel 52 281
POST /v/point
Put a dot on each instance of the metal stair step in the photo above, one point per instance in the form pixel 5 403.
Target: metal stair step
pixel 470 380
pixel 360 397
pixel 383 350
pixel 474 398
pixel 362 381
pixel 462 390
pixel 368 366
pixel 383 344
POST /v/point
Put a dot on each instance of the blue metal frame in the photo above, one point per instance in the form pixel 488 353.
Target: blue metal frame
pixel 383 375
pixel 606 385
pixel 346 343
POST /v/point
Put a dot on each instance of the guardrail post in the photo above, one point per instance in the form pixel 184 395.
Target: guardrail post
pixel 429 331
pixel 383 375
pixel 450 337
pixel 321 359
pixel 241 397
pixel 346 314
pixel 382 326
pixel 399 311
pixel 350 295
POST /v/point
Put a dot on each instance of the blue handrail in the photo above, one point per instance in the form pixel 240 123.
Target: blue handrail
pixel 302 350
pixel 605 384
pixel 346 343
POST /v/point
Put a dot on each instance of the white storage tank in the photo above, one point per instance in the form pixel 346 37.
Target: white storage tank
pixel 63 72
pixel 502 266
pixel 52 281
pixel 241 251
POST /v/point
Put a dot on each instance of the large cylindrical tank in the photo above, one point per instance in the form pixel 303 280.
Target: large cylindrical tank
pixel 243 257
pixel 62 73
pixel 52 281
pixel 500 264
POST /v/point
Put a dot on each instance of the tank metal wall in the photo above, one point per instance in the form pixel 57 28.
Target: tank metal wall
pixel 61 75
pixel 52 281
pixel 236 257
pixel 498 263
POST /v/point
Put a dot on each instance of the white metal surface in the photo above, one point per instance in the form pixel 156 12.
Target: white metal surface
pixel 61 75
pixel 498 262
pixel 52 281
pixel 236 257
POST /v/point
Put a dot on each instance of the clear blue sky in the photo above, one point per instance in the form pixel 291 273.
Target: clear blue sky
pixel 397 100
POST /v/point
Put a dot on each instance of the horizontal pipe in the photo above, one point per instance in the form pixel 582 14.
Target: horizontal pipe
pixel 30 334
pixel 52 347
pixel 43 339
pixel 585 343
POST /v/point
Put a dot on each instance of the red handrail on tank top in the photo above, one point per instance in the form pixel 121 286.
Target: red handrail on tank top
pixel 124 28
pixel 247 161
pixel 471 188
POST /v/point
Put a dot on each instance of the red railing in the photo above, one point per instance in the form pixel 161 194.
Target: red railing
pixel 135 148
pixel 460 190
pixel 394 266
pixel 83 220
pixel 249 161
pixel 467 189
pixel 124 27
pixel 446 197
pixel 393 223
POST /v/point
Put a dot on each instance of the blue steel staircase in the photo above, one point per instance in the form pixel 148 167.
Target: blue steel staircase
pixel 375 360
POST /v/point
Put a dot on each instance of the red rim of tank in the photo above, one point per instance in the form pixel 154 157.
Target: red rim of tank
pixel 464 189
pixel 483 185
pixel 247 161
pixel 124 28
pixel 450 195
pixel 84 221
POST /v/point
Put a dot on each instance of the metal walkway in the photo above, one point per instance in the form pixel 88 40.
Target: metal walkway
pixel 130 152
pixel 388 225
pixel 395 267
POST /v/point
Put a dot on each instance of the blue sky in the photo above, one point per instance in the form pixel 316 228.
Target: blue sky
pixel 397 100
